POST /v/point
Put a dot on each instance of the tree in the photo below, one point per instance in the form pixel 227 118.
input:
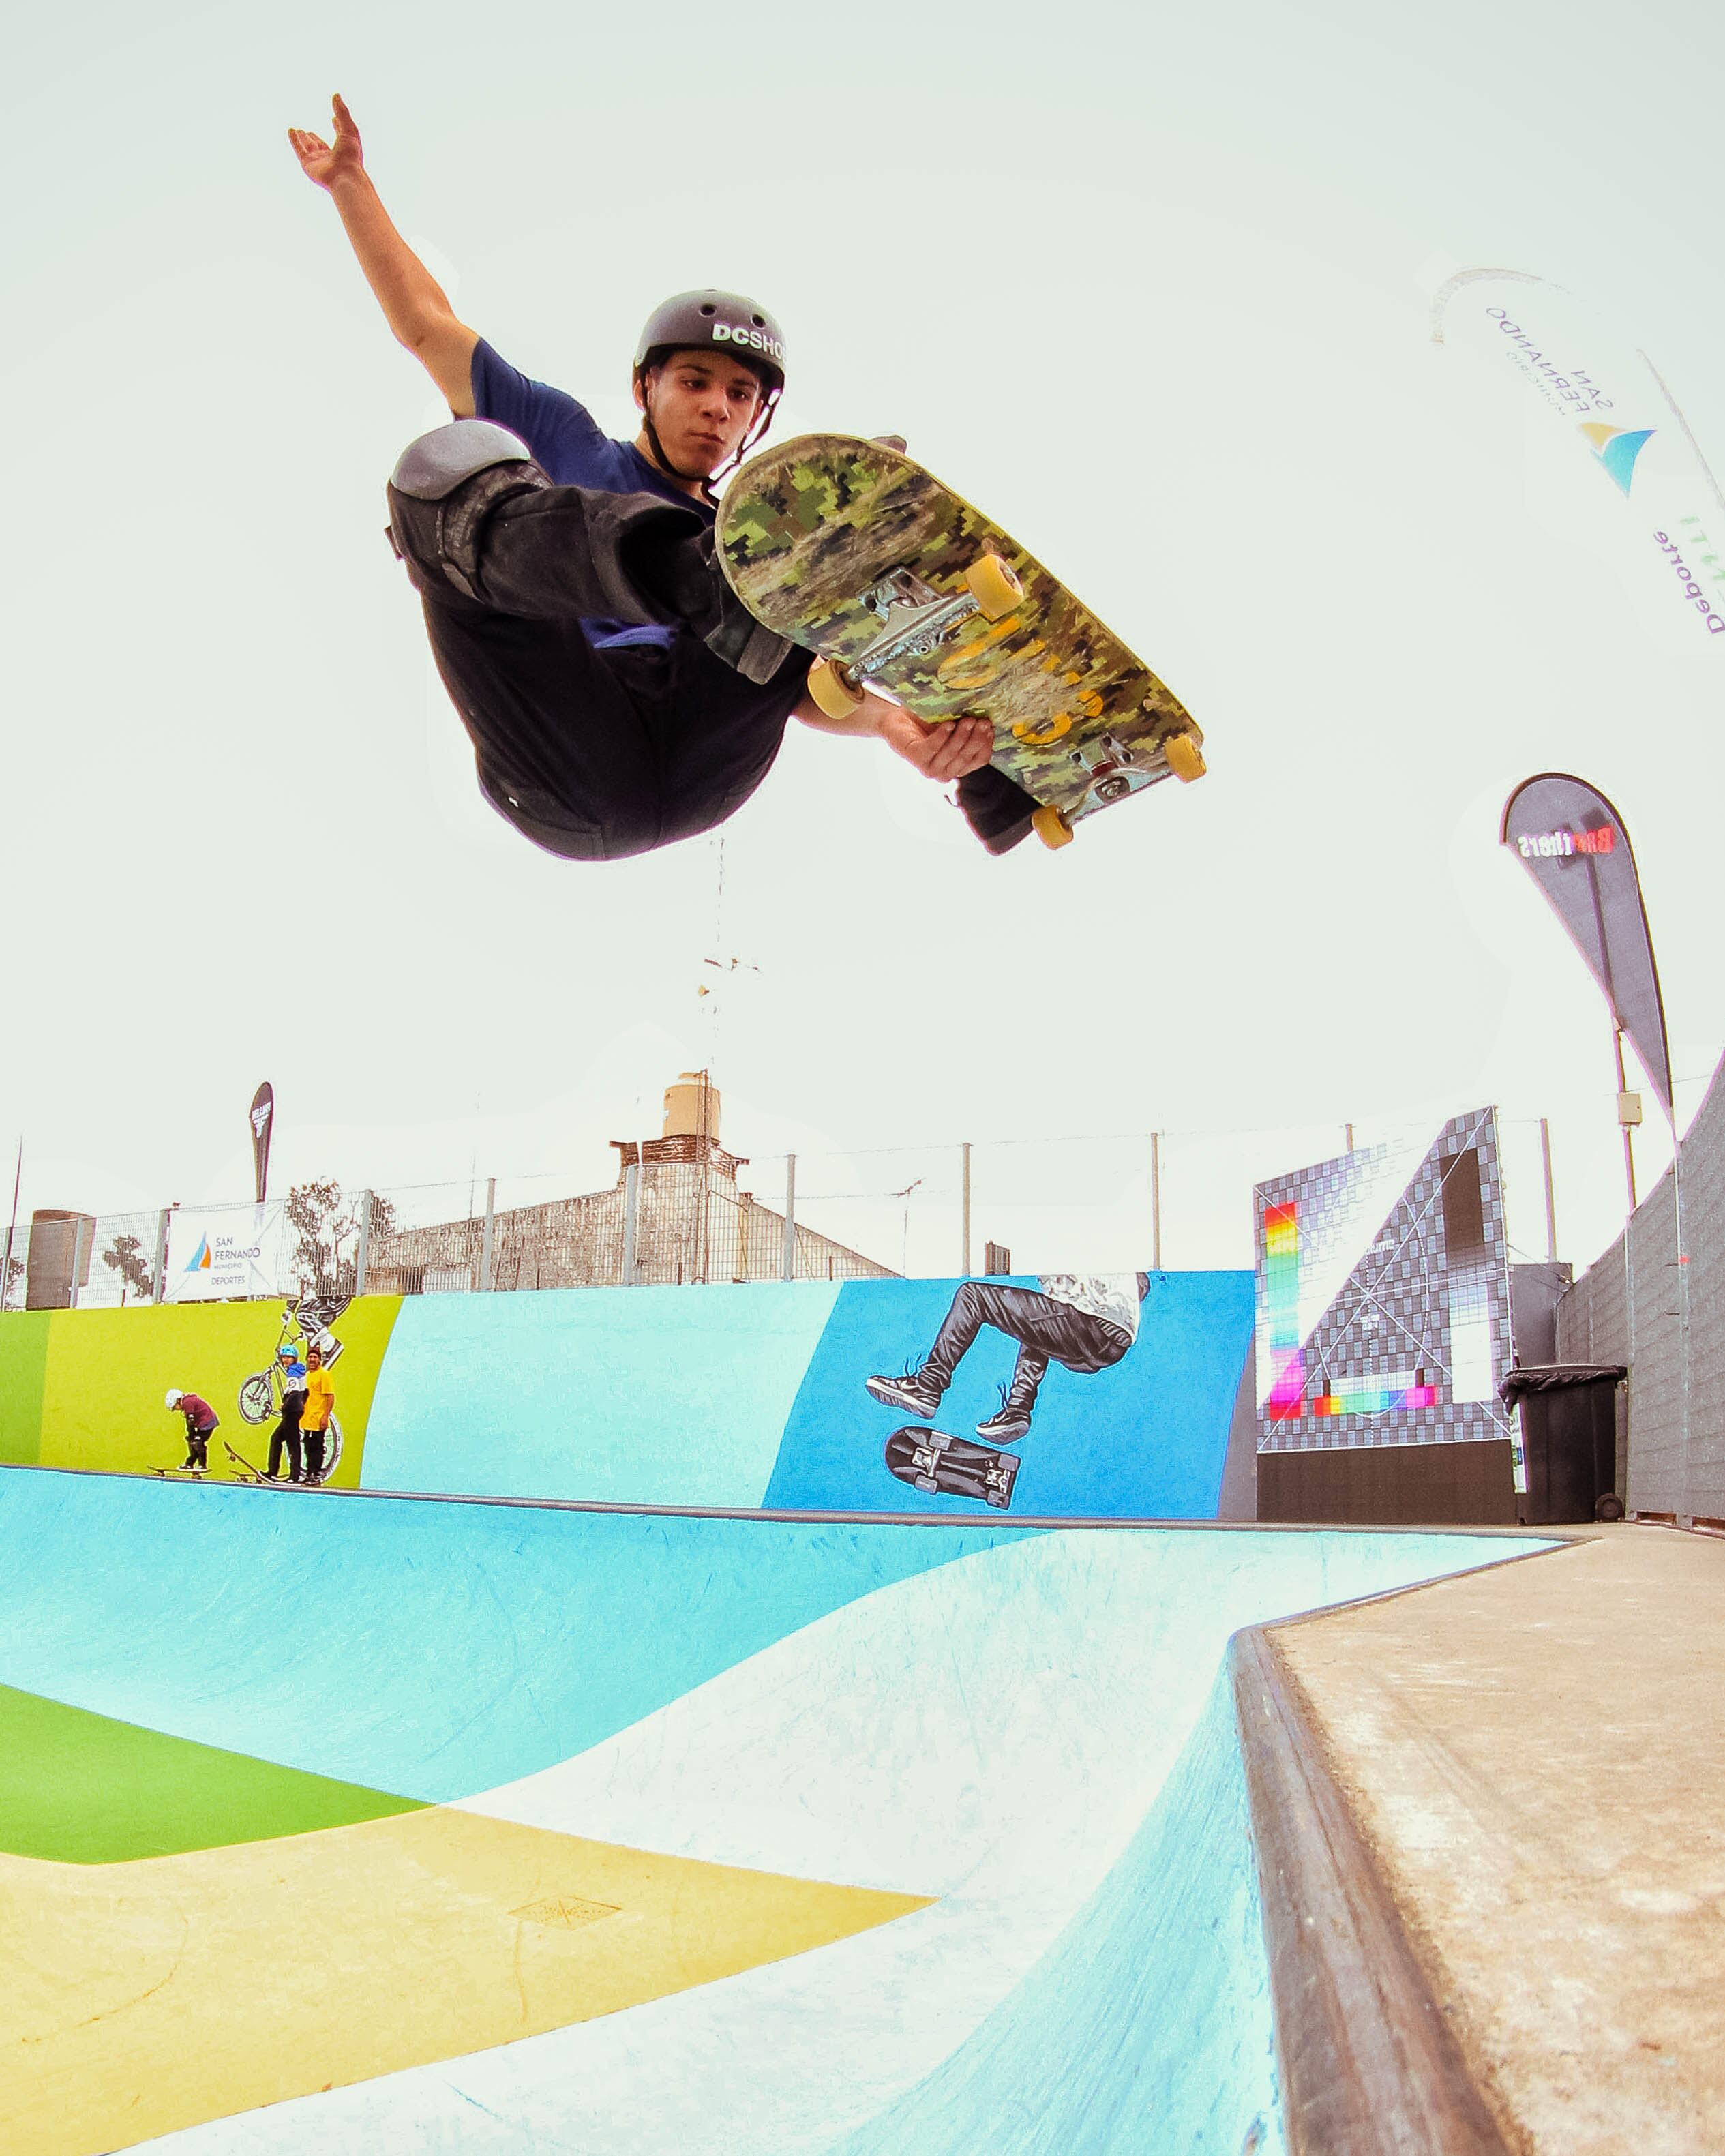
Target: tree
pixel 326 1225
pixel 126 1255
pixel 14 1273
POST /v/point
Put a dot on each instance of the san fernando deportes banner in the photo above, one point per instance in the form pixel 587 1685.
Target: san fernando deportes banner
pixel 214 1252
pixel 1621 415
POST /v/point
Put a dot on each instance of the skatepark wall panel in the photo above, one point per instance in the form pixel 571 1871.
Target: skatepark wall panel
pixel 24 1367
pixel 729 1397
pixel 1145 1438
pixel 637 1396
pixel 1661 1312
pixel 105 1374
pixel 1467 1485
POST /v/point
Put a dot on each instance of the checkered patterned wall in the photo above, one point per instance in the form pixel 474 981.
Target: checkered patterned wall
pixel 1384 1295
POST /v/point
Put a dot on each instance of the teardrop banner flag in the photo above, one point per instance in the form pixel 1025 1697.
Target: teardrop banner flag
pixel 263 1115
pixel 1572 843
pixel 1615 404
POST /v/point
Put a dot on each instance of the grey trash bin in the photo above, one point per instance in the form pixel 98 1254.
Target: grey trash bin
pixel 1568 1440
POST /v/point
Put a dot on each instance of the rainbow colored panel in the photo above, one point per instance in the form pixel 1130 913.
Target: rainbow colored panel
pixel 1376 1396
pixel 1282 1302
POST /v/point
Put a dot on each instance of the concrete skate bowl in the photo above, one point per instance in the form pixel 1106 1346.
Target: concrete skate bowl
pixel 350 1823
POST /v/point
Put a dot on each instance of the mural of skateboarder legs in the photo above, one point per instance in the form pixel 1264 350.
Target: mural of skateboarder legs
pixel 1085 1323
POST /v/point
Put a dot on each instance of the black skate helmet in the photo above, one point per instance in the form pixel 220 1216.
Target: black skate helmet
pixel 727 322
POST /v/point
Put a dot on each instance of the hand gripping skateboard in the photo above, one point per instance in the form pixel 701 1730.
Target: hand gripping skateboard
pixel 852 551
pixel 932 1460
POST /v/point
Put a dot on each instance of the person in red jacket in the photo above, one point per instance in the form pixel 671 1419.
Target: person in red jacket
pixel 201 1418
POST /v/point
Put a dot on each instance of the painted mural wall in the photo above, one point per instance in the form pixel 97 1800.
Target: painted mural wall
pixel 1062 1396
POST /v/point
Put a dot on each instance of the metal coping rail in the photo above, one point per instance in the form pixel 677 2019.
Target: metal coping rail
pixel 987 1517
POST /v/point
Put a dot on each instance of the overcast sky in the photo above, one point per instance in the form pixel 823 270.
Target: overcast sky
pixel 1148 283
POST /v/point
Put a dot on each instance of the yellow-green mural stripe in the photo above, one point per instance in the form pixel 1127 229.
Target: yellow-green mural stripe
pixel 108 1370
pixel 24 1364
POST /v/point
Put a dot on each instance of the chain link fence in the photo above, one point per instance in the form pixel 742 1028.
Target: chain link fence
pixel 682 1211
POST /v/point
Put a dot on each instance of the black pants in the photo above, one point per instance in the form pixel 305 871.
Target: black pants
pixel 198 1447
pixel 1046 1331
pixel 286 1433
pixel 598 753
pixel 312 1439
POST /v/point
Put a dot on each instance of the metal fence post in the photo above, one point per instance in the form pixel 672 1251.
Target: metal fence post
pixel 965 1150
pixel 161 1289
pixel 80 1259
pixel 787 1263
pixel 362 1255
pixel 491 1220
pixel 631 1194
pixel 1156 1201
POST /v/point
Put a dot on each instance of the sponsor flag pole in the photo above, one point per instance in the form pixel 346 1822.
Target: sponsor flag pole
pixel 263 1119
pixel 17 1177
pixel 1574 844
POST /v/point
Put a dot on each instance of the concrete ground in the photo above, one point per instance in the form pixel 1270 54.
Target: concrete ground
pixel 1536 1755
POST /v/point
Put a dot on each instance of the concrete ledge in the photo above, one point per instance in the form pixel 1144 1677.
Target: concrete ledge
pixel 1368 2064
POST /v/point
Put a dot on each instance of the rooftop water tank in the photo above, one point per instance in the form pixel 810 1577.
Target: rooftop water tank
pixel 691 1107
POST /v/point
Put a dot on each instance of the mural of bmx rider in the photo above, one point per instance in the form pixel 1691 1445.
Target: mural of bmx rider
pixel 1085 1323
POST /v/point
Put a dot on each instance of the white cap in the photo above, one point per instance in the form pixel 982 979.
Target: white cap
pixel 174 1397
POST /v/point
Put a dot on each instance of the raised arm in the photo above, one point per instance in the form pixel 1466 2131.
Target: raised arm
pixel 414 304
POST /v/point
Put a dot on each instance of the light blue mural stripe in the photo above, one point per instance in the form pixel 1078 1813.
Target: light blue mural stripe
pixel 1160 1985
pixel 633 1396
pixel 433 1649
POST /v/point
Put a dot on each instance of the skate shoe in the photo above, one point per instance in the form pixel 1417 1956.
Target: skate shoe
pixel 914 1392
pixel 1013 1420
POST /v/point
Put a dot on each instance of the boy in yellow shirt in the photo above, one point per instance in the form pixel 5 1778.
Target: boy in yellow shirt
pixel 319 1412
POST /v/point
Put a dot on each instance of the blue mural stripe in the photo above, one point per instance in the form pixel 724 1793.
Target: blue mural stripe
pixel 1146 1438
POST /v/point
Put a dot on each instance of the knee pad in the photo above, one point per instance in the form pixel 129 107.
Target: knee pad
pixel 444 488
pixel 431 468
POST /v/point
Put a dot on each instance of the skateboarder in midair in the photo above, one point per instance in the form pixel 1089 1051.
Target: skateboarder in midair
pixel 1085 1323
pixel 618 695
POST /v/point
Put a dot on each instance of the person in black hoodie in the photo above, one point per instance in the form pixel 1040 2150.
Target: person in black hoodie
pixel 286 1432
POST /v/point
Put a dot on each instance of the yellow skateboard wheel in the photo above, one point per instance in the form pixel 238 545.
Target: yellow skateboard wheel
pixel 1184 757
pixel 993 585
pixel 1051 827
pixel 832 690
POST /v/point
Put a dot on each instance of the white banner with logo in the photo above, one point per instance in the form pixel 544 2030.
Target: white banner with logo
pixel 1614 404
pixel 215 1251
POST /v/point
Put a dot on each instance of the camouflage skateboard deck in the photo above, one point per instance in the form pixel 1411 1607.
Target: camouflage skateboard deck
pixel 853 551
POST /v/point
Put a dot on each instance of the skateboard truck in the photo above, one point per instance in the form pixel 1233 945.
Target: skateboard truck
pixel 926 1455
pixel 914 618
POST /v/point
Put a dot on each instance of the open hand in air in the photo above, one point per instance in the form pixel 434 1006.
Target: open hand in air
pixel 945 749
pixel 327 163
